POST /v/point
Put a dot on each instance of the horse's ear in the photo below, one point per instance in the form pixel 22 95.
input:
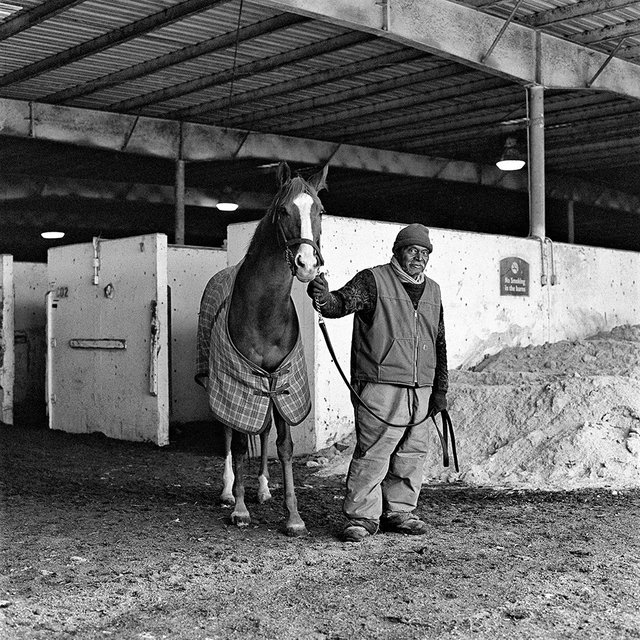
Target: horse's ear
pixel 283 173
pixel 319 180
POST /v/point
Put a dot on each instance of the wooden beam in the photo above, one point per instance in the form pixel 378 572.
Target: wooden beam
pixel 462 33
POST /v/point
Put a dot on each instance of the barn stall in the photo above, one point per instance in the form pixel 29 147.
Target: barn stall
pixel 105 335
pixel 114 306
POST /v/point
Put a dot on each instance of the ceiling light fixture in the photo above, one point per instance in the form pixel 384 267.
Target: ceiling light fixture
pixel 52 235
pixel 227 206
pixel 511 159
pixel 228 200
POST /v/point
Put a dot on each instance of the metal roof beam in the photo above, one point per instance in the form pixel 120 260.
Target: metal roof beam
pixel 27 18
pixel 117 36
pixel 398 103
pixel 17 187
pixel 555 116
pixel 568 12
pixel 175 57
pixel 266 64
pixel 610 32
pixel 198 142
pixel 309 80
pixel 412 80
pixel 392 128
pixel 595 195
pixel 585 148
pixel 464 34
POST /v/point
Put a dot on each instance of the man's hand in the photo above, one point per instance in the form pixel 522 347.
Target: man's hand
pixel 318 290
pixel 437 403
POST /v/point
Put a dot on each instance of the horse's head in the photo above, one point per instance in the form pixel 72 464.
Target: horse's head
pixel 297 211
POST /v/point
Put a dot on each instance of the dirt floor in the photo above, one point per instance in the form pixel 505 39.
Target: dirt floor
pixel 108 539
pixel 535 538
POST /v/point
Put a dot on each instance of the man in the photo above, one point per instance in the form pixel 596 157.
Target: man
pixel 399 370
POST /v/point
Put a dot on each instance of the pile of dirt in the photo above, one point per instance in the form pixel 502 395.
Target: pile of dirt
pixel 556 416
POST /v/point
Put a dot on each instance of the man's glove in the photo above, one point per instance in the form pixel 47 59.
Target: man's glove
pixel 318 290
pixel 437 403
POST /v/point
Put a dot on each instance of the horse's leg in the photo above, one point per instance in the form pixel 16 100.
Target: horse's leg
pixel 226 497
pixel 295 525
pixel 263 479
pixel 240 515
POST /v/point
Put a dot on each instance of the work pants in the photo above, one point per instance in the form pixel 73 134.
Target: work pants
pixel 385 474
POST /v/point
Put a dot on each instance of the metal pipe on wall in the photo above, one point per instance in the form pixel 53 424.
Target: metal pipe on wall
pixel 179 203
pixel 536 161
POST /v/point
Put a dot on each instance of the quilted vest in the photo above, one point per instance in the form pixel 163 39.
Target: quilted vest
pixel 399 345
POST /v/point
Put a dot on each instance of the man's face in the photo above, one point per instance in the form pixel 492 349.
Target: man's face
pixel 413 259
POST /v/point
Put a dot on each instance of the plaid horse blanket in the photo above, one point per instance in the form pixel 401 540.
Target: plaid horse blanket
pixel 241 394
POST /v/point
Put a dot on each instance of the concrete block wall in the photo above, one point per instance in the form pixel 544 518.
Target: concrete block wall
pixel 593 289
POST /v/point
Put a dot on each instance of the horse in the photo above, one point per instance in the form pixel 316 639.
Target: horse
pixel 250 356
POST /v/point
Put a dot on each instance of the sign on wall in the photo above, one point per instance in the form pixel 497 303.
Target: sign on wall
pixel 514 277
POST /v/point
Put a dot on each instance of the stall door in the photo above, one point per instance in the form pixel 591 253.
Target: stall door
pixel 7 367
pixel 107 332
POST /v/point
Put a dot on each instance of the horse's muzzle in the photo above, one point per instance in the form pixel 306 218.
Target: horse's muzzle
pixel 307 260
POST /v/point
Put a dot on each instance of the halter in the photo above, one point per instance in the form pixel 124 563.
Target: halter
pixel 288 254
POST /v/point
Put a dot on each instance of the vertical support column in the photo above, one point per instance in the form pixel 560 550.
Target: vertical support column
pixel 7 347
pixel 536 162
pixel 571 224
pixel 179 203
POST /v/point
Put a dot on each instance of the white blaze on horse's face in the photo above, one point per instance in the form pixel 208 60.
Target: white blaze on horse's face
pixel 306 261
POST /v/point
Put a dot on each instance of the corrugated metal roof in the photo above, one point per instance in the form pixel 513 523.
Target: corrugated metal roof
pixel 304 78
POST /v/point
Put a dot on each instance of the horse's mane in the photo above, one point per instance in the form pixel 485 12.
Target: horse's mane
pixel 289 191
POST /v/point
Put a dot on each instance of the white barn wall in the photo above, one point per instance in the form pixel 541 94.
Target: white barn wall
pixel 596 289
pixel 189 270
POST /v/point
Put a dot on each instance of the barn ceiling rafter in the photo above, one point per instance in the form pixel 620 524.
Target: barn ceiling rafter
pixel 398 87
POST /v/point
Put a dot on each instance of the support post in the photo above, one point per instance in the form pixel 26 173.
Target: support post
pixel 571 224
pixel 179 203
pixel 536 162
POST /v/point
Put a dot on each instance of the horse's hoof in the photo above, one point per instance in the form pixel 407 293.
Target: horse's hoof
pixel 264 496
pixel 227 501
pixel 295 531
pixel 241 520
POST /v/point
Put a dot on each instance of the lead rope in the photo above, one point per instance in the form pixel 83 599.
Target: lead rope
pixel 447 426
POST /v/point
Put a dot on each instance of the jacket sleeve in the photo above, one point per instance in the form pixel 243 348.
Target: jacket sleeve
pixel 441 380
pixel 358 295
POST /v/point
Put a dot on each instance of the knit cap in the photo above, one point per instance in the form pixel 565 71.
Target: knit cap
pixel 416 234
